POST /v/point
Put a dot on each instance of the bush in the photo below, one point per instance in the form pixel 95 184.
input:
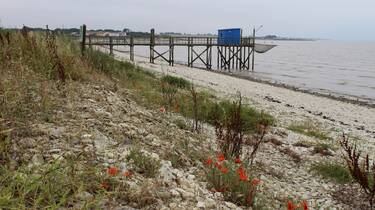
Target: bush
pixel 145 164
pixel 232 121
pixel 176 81
pixel 362 169
pixel 231 179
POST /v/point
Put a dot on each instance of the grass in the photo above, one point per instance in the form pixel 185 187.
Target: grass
pixel 333 171
pixel 53 185
pixel 35 74
pixel 309 129
pixel 145 164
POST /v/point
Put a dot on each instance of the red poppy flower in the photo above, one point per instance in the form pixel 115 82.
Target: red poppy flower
pixel 104 185
pixel 242 173
pixel 113 171
pixel 224 170
pixel 128 174
pixel 208 161
pixel 237 160
pixel 220 157
pixel 255 181
pixel 304 205
pixel 291 206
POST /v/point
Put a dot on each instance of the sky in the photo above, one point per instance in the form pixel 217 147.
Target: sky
pixel 326 19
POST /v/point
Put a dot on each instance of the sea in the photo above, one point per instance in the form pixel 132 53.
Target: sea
pixel 343 69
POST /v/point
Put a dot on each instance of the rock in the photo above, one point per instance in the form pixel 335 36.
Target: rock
pixel 175 193
pixel 57 157
pixel 187 195
pixel 37 160
pixel 57 132
pixel 231 205
pixel 209 203
pixel 165 172
pixel 201 205
pixel 164 195
pixel 173 205
pixel 54 151
pixel 84 196
pixel 190 177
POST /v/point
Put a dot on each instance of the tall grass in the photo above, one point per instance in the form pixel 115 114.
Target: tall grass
pixel 34 71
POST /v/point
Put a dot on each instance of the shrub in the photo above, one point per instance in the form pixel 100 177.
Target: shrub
pixel 231 179
pixel 333 171
pixel 176 81
pixel 145 164
pixel 362 172
pixel 232 121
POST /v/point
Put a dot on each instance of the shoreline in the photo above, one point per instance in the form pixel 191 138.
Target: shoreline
pixel 330 95
pixel 367 102
pixel 286 103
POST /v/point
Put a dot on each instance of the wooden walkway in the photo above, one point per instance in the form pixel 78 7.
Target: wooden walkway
pixel 229 57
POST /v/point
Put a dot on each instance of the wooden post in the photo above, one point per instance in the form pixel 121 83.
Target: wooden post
pixel 253 58
pixel 170 51
pixel 111 45
pixel 90 46
pixel 152 44
pixel 218 54
pixel 189 51
pixel 131 48
pixel 83 39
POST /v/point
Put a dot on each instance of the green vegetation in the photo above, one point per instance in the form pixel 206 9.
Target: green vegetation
pixel 145 164
pixel 54 185
pixel 176 81
pixel 309 129
pixel 35 74
pixel 333 171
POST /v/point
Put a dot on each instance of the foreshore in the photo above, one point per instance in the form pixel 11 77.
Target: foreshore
pixel 286 103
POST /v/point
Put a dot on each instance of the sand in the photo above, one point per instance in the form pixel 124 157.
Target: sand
pixel 287 105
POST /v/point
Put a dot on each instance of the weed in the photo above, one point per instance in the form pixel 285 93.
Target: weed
pixel 53 186
pixel 145 164
pixel 362 172
pixel 176 81
pixel 296 157
pixel 333 171
pixel 232 121
pixel 323 149
pixel 309 129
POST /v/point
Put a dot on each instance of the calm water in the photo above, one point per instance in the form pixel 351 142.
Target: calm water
pixel 343 68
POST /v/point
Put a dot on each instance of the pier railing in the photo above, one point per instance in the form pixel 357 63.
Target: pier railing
pixel 233 56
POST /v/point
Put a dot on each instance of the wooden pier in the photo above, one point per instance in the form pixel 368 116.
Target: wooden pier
pixel 240 57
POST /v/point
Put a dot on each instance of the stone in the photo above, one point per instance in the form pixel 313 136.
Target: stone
pixel 201 205
pixel 57 157
pixel 165 172
pixel 37 160
pixel 84 196
pixel 230 205
pixel 57 132
pixel 209 203
pixel 175 193
pixel 54 151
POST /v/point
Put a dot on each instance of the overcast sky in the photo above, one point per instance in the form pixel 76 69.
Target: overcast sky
pixel 331 19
